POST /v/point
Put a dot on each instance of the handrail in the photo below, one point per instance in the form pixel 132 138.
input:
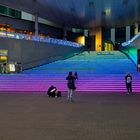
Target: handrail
pixel 39 39
pixel 131 40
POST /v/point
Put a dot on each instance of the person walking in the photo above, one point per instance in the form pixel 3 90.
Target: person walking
pixel 71 86
pixel 128 82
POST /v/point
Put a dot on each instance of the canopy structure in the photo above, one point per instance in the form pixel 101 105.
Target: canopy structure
pixel 81 13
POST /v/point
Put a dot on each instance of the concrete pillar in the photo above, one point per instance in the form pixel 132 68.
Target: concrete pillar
pixel 113 35
pixel 127 33
pixel 36 24
pixel 97 32
pixel 86 33
pixel 65 33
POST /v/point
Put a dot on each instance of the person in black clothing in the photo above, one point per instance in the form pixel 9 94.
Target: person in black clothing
pixel 71 86
pixel 53 92
pixel 128 82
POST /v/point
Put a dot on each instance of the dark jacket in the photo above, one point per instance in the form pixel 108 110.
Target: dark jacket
pixel 71 82
pixel 51 91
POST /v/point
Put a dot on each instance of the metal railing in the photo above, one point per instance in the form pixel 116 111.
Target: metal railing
pixel 39 39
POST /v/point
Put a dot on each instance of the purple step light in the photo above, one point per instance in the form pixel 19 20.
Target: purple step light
pixel 113 83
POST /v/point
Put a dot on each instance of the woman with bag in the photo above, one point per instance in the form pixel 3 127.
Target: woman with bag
pixel 71 86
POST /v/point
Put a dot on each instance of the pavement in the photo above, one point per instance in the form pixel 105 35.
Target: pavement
pixel 92 116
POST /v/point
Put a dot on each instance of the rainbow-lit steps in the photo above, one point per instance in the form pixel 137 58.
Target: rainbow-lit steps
pixel 23 82
pixel 96 73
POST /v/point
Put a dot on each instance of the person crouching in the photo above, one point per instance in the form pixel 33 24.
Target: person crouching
pixel 53 92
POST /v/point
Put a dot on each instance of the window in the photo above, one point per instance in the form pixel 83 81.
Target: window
pixel 10 12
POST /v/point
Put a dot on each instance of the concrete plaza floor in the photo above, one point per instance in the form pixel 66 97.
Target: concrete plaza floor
pixel 93 116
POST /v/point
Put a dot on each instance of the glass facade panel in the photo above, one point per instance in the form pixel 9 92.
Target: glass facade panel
pixel 3 10
pixel 10 12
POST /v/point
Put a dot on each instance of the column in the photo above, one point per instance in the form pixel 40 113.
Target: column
pixel 96 35
pixel 36 24
pixel 127 33
pixel 65 33
pixel 113 35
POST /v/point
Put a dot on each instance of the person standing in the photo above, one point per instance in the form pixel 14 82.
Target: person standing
pixel 128 82
pixel 71 86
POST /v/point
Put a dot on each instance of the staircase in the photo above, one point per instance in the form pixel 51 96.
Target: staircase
pixel 97 72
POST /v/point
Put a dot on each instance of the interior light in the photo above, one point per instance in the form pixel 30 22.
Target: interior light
pixel 108 11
